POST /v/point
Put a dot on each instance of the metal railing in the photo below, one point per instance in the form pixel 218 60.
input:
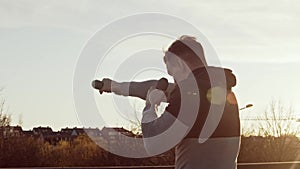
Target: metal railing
pixel 270 165
pixel 260 165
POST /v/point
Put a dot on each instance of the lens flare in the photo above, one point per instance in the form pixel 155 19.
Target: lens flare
pixel 216 95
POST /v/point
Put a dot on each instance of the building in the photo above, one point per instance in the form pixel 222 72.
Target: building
pixel 110 135
pixel 10 131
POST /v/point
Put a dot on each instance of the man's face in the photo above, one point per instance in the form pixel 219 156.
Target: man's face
pixel 171 62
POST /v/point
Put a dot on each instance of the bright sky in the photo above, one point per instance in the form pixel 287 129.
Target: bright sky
pixel 41 41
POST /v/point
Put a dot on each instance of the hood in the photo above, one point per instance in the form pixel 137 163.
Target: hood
pixel 216 76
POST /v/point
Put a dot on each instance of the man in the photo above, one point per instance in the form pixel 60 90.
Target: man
pixel 200 99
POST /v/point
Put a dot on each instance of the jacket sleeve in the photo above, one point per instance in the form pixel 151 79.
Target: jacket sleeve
pixel 139 89
pixel 153 125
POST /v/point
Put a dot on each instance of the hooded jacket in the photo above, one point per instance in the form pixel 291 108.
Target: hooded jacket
pixel 218 113
pixel 205 103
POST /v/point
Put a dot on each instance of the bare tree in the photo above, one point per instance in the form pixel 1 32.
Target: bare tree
pixel 278 120
pixel 135 123
pixel 276 134
pixel 5 119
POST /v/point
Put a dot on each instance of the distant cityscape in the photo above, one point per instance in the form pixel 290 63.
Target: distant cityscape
pixel 46 134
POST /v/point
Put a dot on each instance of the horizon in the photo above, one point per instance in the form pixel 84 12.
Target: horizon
pixel 246 133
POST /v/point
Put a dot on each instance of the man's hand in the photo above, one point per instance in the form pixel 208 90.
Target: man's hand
pixel 110 86
pixel 153 99
pixel 155 96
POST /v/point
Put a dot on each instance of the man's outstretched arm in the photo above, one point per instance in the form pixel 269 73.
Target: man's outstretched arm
pixel 135 89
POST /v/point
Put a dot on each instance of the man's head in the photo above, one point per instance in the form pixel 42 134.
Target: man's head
pixel 184 53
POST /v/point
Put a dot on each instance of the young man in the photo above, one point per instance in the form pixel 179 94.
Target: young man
pixel 200 100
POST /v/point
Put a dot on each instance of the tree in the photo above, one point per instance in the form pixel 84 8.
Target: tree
pixel 278 120
pixel 85 152
pixel 20 151
pixel 275 137
pixel 4 118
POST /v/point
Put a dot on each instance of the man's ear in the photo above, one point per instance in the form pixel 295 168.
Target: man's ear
pixel 178 62
pixel 182 65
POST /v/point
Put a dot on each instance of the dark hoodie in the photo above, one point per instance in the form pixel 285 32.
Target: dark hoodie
pixel 195 106
pixel 228 125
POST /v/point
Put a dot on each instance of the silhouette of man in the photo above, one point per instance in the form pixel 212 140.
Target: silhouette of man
pixel 201 98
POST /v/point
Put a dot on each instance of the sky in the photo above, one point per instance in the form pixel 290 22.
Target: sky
pixel 41 42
